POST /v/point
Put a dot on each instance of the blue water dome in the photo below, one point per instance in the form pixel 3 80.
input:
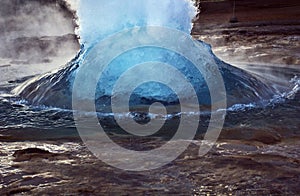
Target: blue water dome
pixel 109 26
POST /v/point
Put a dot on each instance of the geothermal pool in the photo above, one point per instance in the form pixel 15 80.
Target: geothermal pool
pixel 43 152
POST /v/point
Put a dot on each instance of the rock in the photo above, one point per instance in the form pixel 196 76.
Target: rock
pixel 266 137
pixel 30 153
pixel 263 135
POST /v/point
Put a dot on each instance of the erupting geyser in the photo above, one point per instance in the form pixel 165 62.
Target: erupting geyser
pixel 102 20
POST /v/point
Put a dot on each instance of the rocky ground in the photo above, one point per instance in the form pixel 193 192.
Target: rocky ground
pixel 266 32
pixel 231 167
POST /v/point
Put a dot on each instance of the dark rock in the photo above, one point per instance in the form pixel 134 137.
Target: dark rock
pixel 263 135
pixel 266 137
pixel 37 180
pixel 30 153
pixel 233 19
pixel 19 190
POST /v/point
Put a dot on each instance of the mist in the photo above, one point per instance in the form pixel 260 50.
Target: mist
pixel 36 36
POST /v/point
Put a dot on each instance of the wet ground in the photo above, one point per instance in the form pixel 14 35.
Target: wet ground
pixel 231 167
pixel 267 32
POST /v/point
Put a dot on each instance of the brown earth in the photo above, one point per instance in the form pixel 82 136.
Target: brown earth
pixel 267 31
pixel 231 168
pixel 214 13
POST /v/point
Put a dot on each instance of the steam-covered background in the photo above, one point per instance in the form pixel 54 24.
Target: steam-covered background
pixel 36 33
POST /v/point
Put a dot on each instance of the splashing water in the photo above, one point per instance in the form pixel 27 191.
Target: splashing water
pixel 99 19
pixel 102 20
